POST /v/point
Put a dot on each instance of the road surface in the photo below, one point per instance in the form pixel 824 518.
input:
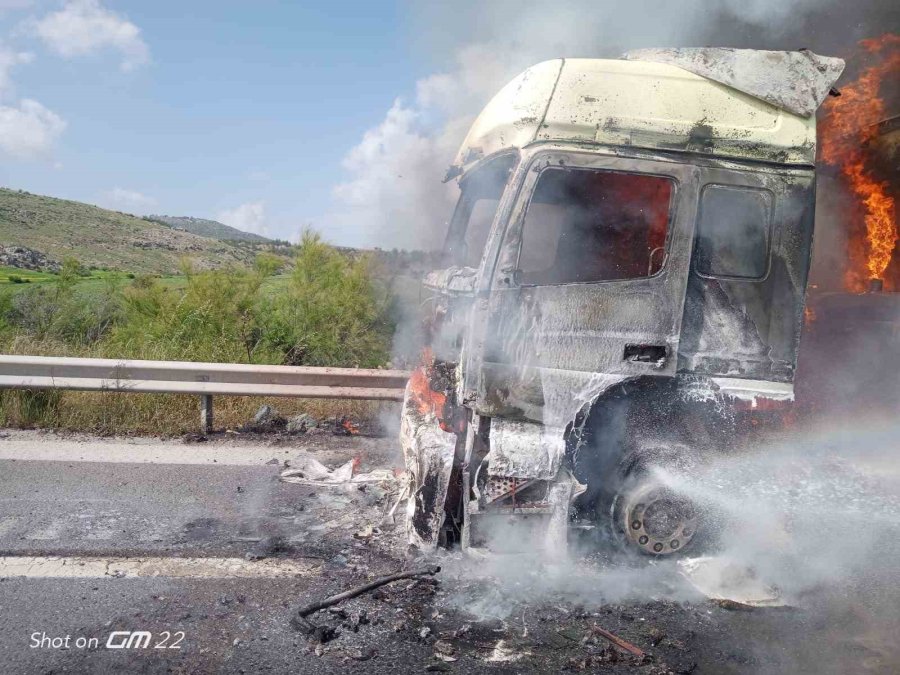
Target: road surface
pixel 152 556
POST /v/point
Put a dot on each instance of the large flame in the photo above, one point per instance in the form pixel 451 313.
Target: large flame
pixel 848 126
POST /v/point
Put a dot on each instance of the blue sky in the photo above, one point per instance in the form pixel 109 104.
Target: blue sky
pixel 229 103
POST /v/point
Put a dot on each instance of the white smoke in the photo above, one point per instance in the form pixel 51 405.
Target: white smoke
pixel 393 195
pixel 815 512
pixel 816 509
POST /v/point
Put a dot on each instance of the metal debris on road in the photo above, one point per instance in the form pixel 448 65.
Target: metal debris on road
pixel 618 642
pixel 300 621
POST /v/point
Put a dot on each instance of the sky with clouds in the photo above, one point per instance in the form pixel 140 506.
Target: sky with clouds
pixel 273 116
pixel 236 111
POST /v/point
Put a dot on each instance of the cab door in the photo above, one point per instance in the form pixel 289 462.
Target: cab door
pixel 589 284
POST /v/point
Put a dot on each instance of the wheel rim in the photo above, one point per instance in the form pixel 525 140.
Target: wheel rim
pixel 657 521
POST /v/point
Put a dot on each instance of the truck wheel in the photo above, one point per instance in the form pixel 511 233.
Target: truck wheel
pixel 650 517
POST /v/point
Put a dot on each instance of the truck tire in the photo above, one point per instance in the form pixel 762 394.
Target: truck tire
pixel 647 514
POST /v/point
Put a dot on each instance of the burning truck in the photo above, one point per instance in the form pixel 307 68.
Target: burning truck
pixel 624 290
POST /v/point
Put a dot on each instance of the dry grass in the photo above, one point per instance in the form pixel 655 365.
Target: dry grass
pixel 107 413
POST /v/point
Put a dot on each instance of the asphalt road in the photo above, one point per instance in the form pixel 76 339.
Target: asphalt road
pixel 201 546
pixel 90 501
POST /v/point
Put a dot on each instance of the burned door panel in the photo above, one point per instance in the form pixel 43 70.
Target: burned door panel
pixel 591 272
pixel 744 301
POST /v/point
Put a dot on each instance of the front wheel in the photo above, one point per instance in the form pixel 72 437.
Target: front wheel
pixel 651 518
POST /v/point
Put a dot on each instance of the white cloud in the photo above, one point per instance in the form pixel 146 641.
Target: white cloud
pixel 249 217
pixel 9 59
pixel 29 130
pixel 85 26
pixel 131 201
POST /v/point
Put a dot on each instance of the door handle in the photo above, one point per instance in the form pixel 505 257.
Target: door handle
pixel 655 354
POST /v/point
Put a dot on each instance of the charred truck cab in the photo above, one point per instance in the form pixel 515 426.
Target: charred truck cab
pixel 624 289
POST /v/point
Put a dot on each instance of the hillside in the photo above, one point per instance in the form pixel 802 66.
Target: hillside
pixel 208 228
pixel 98 237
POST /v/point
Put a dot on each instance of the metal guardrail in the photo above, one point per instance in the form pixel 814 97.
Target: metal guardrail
pixel 202 379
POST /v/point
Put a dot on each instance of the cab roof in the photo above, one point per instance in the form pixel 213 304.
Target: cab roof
pixel 646 101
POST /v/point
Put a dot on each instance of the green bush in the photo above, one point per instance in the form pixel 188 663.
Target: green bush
pixel 328 311
pixel 15 279
pixel 58 311
pixel 211 319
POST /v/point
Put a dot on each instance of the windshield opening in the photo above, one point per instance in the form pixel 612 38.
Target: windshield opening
pixel 478 202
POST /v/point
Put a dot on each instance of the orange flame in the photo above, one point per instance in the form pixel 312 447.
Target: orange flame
pixel 809 315
pixel 848 126
pixel 349 427
pixel 428 401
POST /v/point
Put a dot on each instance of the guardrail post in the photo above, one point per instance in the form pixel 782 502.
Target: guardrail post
pixel 206 414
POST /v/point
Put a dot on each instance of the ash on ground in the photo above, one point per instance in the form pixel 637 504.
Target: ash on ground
pixel 493 612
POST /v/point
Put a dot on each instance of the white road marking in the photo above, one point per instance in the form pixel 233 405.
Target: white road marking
pixel 142 451
pixel 54 567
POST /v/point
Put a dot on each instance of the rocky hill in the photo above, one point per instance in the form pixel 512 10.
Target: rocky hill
pixel 58 228
pixel 26 259
pixel 208 228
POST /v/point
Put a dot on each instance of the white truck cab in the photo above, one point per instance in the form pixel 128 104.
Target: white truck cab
pixel 624 285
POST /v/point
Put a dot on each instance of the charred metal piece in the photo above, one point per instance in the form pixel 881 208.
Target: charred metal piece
pixel 500 488
pixel 618 642
pixel 302 623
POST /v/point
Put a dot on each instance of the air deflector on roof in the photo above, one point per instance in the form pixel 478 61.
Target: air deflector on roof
pixel 794 81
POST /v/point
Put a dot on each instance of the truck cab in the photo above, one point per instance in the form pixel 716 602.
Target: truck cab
pixel 624 284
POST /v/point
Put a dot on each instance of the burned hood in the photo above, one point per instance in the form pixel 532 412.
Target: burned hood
pixel 794 81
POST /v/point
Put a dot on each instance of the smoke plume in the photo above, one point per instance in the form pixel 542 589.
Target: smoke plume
pixel 393 194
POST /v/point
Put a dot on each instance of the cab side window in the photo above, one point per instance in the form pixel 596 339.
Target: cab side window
pixel 733 232
pixel 588 225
